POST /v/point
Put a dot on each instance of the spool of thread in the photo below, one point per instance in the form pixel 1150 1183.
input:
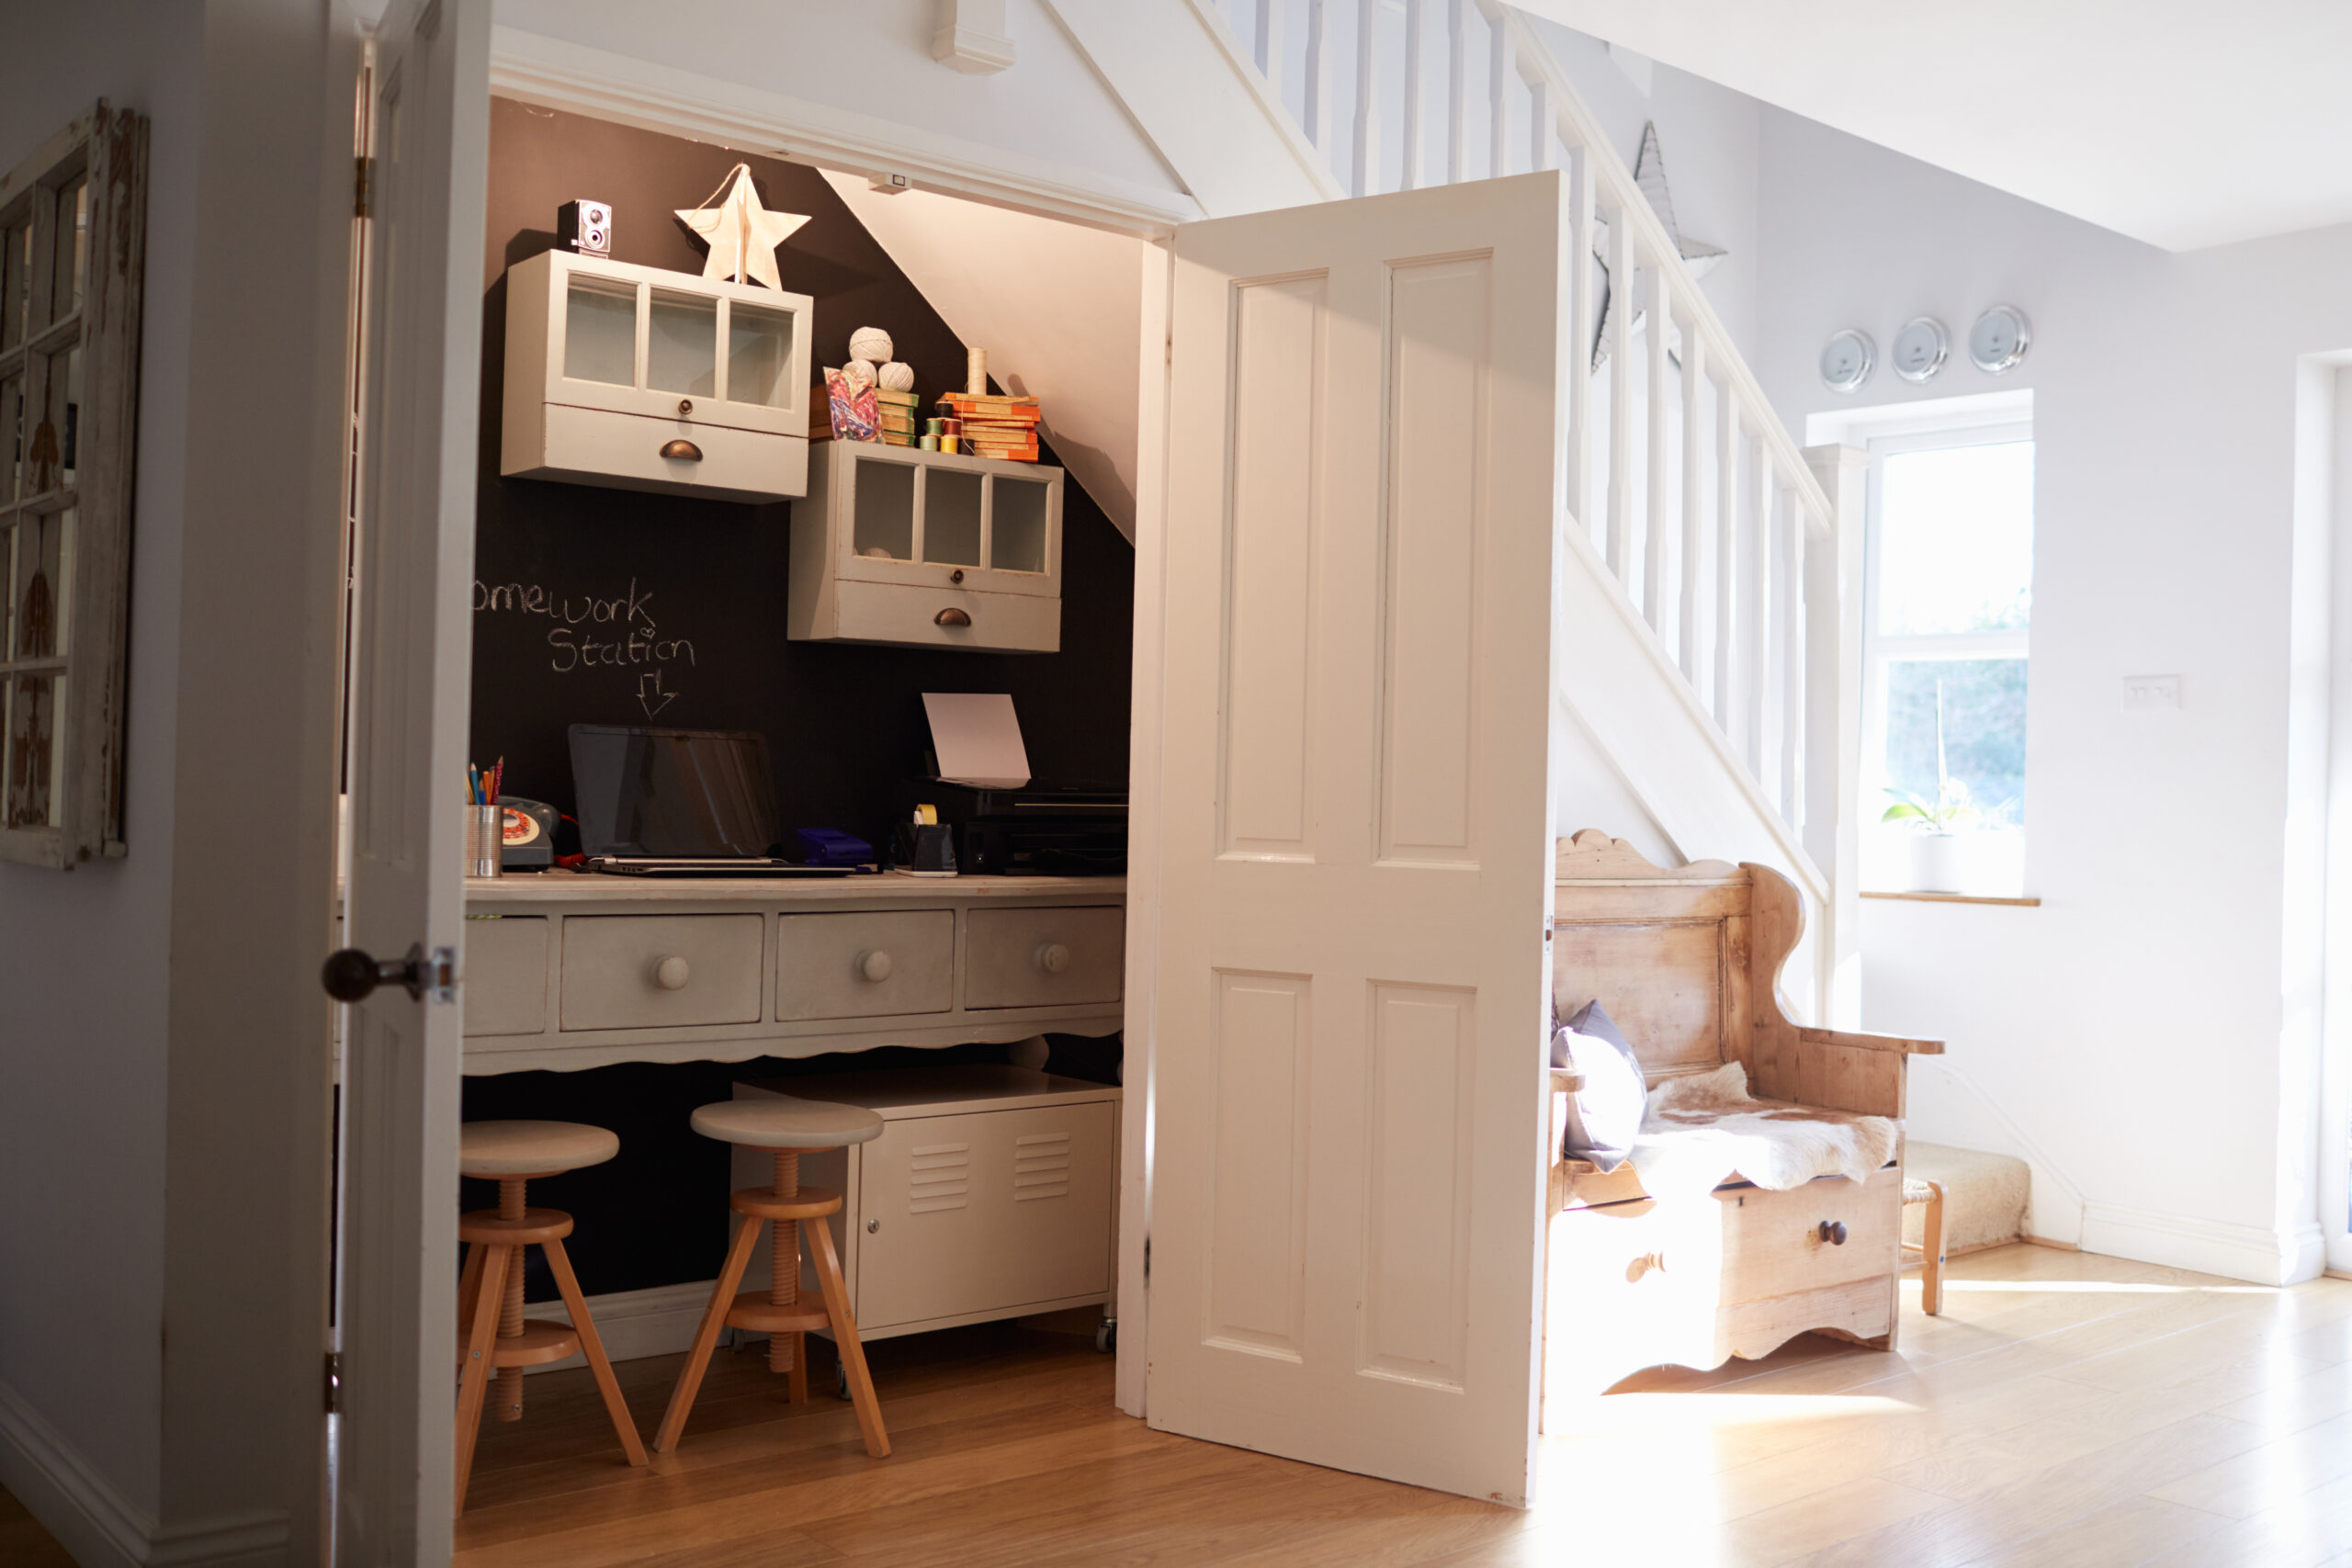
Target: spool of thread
pixel 976 373
pixel 951 428
pixel 928 443
pixel 934 427
pixel 948 443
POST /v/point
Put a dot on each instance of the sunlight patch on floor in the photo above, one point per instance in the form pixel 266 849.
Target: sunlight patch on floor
pixel 1696 1410
pixel 2107 1287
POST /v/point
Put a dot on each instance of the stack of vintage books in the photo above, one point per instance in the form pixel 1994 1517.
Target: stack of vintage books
pixel 995 426
pixel 900 414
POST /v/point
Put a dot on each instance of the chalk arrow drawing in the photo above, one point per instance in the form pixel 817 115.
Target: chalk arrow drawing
pixel 648 687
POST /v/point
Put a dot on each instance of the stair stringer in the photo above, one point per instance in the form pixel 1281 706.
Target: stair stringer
pixel 1614 680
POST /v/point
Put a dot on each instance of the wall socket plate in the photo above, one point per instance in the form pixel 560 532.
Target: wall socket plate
pixel 2144 694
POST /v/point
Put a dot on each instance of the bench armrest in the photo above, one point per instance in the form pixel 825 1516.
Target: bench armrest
pixel 1859 1042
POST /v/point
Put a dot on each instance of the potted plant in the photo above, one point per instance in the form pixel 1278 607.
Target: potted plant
pixel 1938 830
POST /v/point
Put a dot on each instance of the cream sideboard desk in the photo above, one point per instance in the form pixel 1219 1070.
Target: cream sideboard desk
pixel 564 971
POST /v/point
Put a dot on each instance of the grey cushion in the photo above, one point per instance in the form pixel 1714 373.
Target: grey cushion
pixel 1605 1115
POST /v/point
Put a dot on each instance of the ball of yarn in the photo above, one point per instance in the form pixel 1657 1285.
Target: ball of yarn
pixel 871 345
pixel 898 378
pixel 858 374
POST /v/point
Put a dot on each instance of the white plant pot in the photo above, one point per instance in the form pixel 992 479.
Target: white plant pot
pixel 1936 861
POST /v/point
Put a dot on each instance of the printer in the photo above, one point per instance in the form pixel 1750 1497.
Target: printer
pixel 976 773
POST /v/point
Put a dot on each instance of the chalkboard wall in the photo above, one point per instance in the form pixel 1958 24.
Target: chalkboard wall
pixel 842 722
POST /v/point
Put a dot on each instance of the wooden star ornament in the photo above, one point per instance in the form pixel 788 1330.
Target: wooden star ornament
pixel 742 235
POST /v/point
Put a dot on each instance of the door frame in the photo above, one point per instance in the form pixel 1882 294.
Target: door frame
pixel 553 73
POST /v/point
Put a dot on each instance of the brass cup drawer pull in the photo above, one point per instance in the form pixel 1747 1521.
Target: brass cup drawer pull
pixel 951 617
pixel 682 449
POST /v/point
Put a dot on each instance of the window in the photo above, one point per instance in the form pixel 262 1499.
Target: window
pixel 71 224
pixel 1950 556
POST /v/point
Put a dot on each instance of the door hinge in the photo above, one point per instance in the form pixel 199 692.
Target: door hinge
pixel 335 1383
pixel 362 184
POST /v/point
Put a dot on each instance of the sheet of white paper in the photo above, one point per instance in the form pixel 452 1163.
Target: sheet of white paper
pixel 978 738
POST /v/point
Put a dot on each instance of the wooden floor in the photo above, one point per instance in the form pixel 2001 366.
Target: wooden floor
pixel 2066 1409
pixel 23 1543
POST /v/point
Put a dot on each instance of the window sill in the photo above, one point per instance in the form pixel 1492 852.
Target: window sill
pixel 2029 903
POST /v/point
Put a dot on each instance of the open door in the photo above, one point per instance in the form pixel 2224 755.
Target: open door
pixel 1352 976
pixel 404 898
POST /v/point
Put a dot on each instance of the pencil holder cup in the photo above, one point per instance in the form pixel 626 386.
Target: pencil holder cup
pixel 485 840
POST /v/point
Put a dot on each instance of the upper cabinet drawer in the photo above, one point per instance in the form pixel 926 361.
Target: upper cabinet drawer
pixel 1030 958
pixel 660 971
pixel 865 965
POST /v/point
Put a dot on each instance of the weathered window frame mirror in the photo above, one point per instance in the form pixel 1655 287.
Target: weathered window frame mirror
pixel 72 249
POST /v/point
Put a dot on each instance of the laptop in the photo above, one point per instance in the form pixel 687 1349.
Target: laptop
pixel 678 803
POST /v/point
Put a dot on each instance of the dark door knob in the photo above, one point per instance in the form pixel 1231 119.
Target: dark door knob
pixel 351 976
pixel 1834 1232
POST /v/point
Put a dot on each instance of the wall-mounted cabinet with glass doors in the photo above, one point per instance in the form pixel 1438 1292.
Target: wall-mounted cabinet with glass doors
pixel 640 379
pixel 927 549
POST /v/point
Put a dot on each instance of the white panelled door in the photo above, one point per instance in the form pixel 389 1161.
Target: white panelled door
pixel 397 1310
pixel 1352 1005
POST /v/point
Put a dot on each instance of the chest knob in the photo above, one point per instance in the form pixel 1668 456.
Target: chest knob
pixel 1052 957
pixel 671 974
pixel 874 965
pixel 1833 1232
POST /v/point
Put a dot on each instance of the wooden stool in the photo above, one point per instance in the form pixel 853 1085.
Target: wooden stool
pixel 788 1128
pixel 1931 1239
pixel 493 1337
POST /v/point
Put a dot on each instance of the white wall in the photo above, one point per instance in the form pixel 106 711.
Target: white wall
pixel 2130 1028
pixel 83 953
pixel 163 1050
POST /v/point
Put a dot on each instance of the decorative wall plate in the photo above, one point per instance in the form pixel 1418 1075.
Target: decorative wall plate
pixel 1846 360
pixel 1919 349
pixel 1999 339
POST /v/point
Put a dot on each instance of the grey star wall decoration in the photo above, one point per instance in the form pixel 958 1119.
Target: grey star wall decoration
pixel 1649 175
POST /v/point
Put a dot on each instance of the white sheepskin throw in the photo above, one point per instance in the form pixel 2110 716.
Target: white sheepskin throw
pixel 1702 1130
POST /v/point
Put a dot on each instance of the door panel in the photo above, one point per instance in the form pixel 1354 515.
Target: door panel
pixel 1353 980
pixel 397 1313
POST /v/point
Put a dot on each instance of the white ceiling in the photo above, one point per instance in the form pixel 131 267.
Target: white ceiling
pixel 2179 122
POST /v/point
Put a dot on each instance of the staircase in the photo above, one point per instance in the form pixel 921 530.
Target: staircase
pixel 1710 637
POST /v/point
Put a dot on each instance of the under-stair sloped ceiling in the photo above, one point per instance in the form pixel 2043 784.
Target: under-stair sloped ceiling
pixel 1058 307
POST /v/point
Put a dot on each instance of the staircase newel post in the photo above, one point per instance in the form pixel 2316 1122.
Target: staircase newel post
pixel 1833 751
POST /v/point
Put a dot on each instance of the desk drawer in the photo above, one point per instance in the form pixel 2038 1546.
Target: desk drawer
pixel 1035 958
pixel 506 975
pixel 1772 1244
pixel 825 964
pixel 660 971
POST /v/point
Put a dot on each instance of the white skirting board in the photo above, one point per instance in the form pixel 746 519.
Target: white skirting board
pixel 662 1320
pixel 2234 1252
pixel 98 1526
pixel 636 1324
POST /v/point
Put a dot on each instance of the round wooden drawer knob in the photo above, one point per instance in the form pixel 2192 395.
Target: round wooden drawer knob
pixel 1833 1232
pixel 671 974
pixel 1053 958
pixel 1643 1265
pixel 874 965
